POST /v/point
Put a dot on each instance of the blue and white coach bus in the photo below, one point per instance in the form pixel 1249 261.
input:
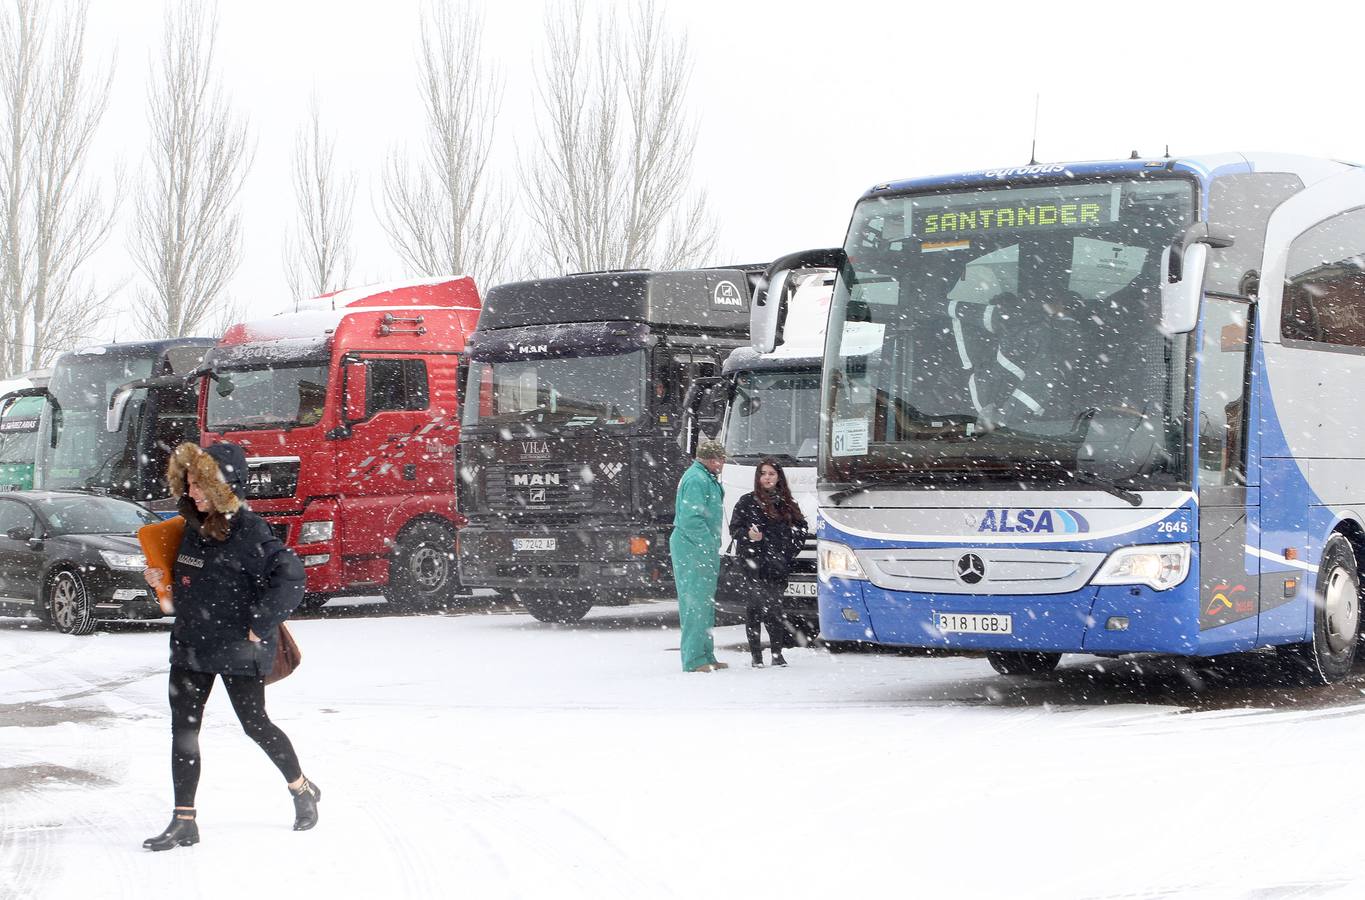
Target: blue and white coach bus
pixel 1111 407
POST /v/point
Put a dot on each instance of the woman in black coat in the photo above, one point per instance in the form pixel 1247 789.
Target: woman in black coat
pixel 233 584
pixel 769 531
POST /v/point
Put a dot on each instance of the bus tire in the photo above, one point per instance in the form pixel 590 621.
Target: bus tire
pixel 561 608
pixel 1023 662
pixel 68 603
pixel 1330 652
pixel 422 571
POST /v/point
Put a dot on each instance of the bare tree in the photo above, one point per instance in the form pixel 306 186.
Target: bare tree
pixel 187 238
pixel 609 185
pixel 442 213
pixel 52 219
pixel 318 254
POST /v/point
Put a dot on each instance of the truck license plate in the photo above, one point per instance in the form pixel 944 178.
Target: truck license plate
pixel 523 544
pixel 800 589
pixel 974 623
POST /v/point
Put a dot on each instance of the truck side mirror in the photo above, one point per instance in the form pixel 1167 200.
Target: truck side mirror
pixel 768 312
pixel 357 391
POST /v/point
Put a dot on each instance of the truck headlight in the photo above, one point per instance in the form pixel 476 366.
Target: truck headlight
pixel 836 560
pixel 1159 566
pixel 130 562
pixel 315 532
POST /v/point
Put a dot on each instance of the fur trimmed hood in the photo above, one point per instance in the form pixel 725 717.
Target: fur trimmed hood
pixel 220 470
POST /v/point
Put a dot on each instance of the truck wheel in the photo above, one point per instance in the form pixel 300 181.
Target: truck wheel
pixel 563 608
pixel 1328 656
pixel 1022 663
pixel 422 572
pixel 68 603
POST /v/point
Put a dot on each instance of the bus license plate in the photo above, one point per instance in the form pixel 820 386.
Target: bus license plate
pixel 522 544
pixel 800 589
pixel 974 623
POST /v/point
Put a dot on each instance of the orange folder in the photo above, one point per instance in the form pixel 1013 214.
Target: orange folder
pixel 161 545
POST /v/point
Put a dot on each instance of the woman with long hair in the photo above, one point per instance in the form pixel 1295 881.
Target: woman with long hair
pixel 769 531
pixel 233 584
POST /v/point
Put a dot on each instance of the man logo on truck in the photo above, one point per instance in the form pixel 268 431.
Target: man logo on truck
pixel 535 478
pixel 727 296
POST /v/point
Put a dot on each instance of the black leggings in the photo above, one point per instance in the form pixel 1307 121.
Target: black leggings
pixel 189 691
pixel 765 606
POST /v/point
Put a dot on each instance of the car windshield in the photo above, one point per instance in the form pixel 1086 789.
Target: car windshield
pixel 275 397
pixel 563 392
pixel 94 515
pixel 774 414
pixel 1009 334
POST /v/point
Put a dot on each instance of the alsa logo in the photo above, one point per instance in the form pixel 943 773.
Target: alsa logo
pixel 533 348
pixel 535 479
pixel 1033 521
pixel 1049 169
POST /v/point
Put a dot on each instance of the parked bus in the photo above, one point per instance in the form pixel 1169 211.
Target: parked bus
pixel 76 448
pixel 19 443
pixel 349 417
pixel 573 438
pixel 772 410
pixel 1107 409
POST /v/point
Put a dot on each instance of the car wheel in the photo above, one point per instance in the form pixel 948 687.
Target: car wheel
pixel 1023 663
pixel 562 608
pixel 422 572
pixel 1330 652
pixel 68 603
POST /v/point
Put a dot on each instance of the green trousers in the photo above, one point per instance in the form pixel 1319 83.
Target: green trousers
pixel 695 575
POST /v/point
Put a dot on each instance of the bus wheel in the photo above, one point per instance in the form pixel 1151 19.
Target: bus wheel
pixel 1023 663
pixel 563 608
pixel 1329 655
pixel 422 571
pixel 68 604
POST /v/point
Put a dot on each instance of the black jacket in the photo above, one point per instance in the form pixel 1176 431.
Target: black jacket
pixel 222 589
pixel 769 559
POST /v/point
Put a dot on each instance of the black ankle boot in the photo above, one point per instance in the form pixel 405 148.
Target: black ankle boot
pixel 756 659
pixel 306 805
pixel 182 832
pixel 777 658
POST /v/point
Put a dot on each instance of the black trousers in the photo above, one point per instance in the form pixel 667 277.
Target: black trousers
pixel 189 691
pixel 765 606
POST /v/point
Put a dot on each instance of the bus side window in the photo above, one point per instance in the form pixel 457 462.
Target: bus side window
pixel 1324 293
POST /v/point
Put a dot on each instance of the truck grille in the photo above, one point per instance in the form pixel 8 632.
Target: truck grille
pixel 550 488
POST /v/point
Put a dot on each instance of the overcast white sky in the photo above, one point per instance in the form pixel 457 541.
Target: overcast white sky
pixel 800 105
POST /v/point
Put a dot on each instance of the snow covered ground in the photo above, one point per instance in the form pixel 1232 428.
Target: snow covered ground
pixel 490 756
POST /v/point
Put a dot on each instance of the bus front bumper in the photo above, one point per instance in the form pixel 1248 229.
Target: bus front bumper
pixel 1108 619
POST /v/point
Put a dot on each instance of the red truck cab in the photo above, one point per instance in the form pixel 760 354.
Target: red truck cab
pixel 348 413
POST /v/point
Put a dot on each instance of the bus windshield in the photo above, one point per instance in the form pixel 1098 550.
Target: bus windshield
pixel 83 454
pixel 774 414
pixel 562 392
pixel 275 397
pixel 1009 335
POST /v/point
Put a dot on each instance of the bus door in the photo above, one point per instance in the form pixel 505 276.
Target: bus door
pixel 1229 511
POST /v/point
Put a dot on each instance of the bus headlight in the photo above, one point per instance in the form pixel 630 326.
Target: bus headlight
pixel 1159 566
pixel 835 560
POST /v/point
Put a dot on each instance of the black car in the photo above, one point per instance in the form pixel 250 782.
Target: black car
pixel 72 559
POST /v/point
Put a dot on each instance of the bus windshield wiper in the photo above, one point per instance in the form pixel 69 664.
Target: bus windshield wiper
pixel 877 478
pixel 1089 480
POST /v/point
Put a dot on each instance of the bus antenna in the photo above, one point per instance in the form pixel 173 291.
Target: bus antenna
pixel 1033 151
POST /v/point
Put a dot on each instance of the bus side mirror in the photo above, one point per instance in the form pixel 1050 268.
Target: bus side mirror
pixel 1182 287
pixel 768 312
pixel 357 389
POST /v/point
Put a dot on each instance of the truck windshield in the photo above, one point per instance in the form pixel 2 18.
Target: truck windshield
pixel 1009 335
pixel 563 392
pixel 83 454
pixel 275 397
pixel 774 414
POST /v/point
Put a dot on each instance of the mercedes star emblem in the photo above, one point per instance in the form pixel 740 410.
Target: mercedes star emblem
pixel 970 569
